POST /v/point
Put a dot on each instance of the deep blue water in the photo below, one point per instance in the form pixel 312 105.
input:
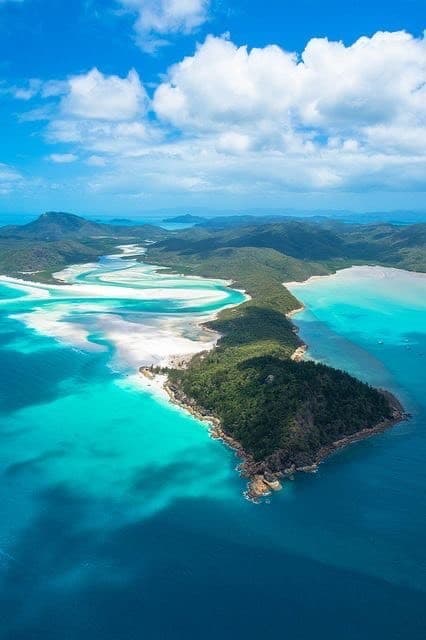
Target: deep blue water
pixel 120 519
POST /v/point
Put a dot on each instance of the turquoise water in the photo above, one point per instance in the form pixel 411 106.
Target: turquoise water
pixel 120 518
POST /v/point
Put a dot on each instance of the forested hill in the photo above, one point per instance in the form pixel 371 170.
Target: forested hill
pixel 285 415
pixel 57 239
pixel 329 242
pixel 291 249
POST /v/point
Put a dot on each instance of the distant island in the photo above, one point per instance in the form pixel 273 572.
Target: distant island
pixel 125 221
pixel 280 413
pixel 187 218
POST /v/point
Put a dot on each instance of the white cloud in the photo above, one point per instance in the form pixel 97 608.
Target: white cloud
pixel 233 142
pixel 260 122
pixel 120 138
pixel 63 158
pixel 223 84
pixel 29 91
pixel 336 117
pixel 330 88
pixel 35 87
pixel 8 173
pixel 185 166
pixel 103 114
pixel 159 18
pixel 54 88
pixel 96 161
pixel 10 178
pixel 96 96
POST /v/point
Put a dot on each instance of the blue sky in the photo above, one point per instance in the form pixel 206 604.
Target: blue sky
pixel 129 106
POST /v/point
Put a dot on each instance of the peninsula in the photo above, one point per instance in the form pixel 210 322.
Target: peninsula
pixel 280 413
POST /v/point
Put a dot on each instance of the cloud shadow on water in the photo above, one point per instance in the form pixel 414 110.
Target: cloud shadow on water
pixel 179 575
pixel 35 378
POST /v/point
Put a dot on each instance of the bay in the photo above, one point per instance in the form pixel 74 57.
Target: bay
pixel 120 518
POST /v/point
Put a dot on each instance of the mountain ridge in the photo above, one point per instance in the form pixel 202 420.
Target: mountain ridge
pixel 56 239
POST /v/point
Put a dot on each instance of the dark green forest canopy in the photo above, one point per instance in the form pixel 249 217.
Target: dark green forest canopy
pixel 270 404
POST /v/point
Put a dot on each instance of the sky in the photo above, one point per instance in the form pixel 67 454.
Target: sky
pixel 139 106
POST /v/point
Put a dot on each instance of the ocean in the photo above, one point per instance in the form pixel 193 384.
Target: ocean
pixel 121 519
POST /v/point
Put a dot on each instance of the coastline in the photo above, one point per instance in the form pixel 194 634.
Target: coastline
pixel 263 477
pixel 381 270
pixel 150 343
pixel 294 312
pixel 259 484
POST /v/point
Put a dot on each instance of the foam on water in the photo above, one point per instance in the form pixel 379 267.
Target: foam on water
pixel 120 518
pixel 110 301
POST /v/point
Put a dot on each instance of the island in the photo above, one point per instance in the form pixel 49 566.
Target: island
pixel 186 218
pixel 281 413
pixel 121 221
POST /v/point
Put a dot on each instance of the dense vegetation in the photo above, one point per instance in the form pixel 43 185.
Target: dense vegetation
pixel 56 240
pixel 259 325
pixel 277 407
pixel 331 243
pixel 282 412
pixel 39 259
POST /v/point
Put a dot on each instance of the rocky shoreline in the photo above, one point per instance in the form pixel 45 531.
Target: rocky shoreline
pixel 267 475
pixel 299 354
pixel 274 468
pixel 259 484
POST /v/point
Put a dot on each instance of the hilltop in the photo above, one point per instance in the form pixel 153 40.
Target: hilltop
pixel 53 226
pixel 56 239
pixel 331 243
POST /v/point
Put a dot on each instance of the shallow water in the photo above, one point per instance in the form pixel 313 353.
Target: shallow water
pixel 120 518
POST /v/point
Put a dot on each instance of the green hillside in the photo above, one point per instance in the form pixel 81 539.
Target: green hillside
pixel 56 240
pixel 283 413
pixel 329 243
